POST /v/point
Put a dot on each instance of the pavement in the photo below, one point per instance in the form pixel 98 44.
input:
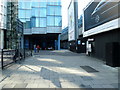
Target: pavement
pixel 59 69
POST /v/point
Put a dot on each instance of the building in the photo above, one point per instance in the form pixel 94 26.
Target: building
pixel 64 39
pixel 13 27
pixel 10 26
pixel 73 25
pixel 101 30
pixel 81 43
pixel 3 16
pixel 42 23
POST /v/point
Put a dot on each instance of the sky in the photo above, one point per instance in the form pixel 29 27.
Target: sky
pixel 65 3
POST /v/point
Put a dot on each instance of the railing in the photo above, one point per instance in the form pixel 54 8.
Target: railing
pixel 11 56
pixel 7 57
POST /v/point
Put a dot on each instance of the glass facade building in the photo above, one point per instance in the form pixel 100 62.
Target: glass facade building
pixel 40 14
pixel 40 17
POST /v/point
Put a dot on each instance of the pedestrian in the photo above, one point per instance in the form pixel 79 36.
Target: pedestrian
pixel 35 48
pixel 38 48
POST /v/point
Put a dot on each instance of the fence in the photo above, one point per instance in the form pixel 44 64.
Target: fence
pixel 11 56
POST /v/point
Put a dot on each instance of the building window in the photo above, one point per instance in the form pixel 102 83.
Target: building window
pixel 37 22
pixel 50 10
pixel 43 3
pixel 35 4
pixel 36 12
pixel 50 20
pixel 42 22
pixel 21 13
pixel 57 10
pixel 58 21
pixel 28 13
pixel 42 12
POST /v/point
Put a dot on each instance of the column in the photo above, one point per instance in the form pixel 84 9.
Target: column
pixel 59 42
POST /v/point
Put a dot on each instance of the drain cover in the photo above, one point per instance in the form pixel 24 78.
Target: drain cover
pixel 89 69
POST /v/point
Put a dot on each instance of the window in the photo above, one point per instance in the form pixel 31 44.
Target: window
pixel 35 4
pixel 42 12
pixel 58 21
pixel 50 20
pixel 28 5
pixel 21 4
pixel 50 10
pixel 42 22
pixel 37 22
pixel 43 4
pixel 28 25
pixel 50 2
pixel 58 10
pixel 33 22
pixel 57 2
pixel 37 12
pixel 21 13
pixel 28 13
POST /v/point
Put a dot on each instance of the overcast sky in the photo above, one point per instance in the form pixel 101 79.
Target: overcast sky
pixel 65 3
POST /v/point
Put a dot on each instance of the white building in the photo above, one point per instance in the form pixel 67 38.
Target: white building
pixel 3 16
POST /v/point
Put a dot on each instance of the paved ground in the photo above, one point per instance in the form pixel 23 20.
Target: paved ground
pixel 59 69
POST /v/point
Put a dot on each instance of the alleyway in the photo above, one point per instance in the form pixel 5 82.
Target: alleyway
pixel 59 69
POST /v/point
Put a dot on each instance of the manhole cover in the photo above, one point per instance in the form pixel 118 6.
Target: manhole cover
pixel 89 69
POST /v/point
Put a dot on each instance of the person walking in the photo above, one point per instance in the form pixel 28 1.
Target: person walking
pixel 35 48
pixel 38 48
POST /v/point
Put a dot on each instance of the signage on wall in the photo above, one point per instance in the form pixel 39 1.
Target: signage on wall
pixel 71 22
pixel 101 16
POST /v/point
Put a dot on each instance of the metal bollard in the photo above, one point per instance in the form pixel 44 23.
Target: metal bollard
pixel 2 59
pixel 31 52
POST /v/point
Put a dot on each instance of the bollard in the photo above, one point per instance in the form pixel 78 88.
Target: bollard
pixel 31 52
pixel 24 53
pixel 2 59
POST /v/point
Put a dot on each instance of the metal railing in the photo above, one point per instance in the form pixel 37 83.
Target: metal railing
pixel 12 56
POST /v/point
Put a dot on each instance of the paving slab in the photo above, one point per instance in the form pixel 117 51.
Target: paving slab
pixel 60 69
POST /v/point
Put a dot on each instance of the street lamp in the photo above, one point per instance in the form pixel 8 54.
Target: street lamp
pixel 19 45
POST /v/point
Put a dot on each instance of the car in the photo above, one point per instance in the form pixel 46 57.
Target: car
pixel 106 10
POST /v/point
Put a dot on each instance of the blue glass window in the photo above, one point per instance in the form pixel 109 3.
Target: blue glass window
pixel 50 2
pixel 57 10
pixel 35 4
pixel 21 4
pixel 28 13
pixel 28 25
pixel 42 12
pixel 33 20
pixel 21 13
pixel 57 2
pixel 36 12
pixel 50 10
pixel 42 22
pixel 58 21
pixel 43 3
pixel 37 22
pixel 27 5
pixel 50 20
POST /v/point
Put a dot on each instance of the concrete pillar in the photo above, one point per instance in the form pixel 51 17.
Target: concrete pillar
pixel 1 39
pixel 59 42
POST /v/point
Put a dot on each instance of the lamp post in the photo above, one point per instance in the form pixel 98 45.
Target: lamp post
pixel 19 45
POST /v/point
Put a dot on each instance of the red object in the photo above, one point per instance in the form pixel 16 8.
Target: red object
pixel 38 47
